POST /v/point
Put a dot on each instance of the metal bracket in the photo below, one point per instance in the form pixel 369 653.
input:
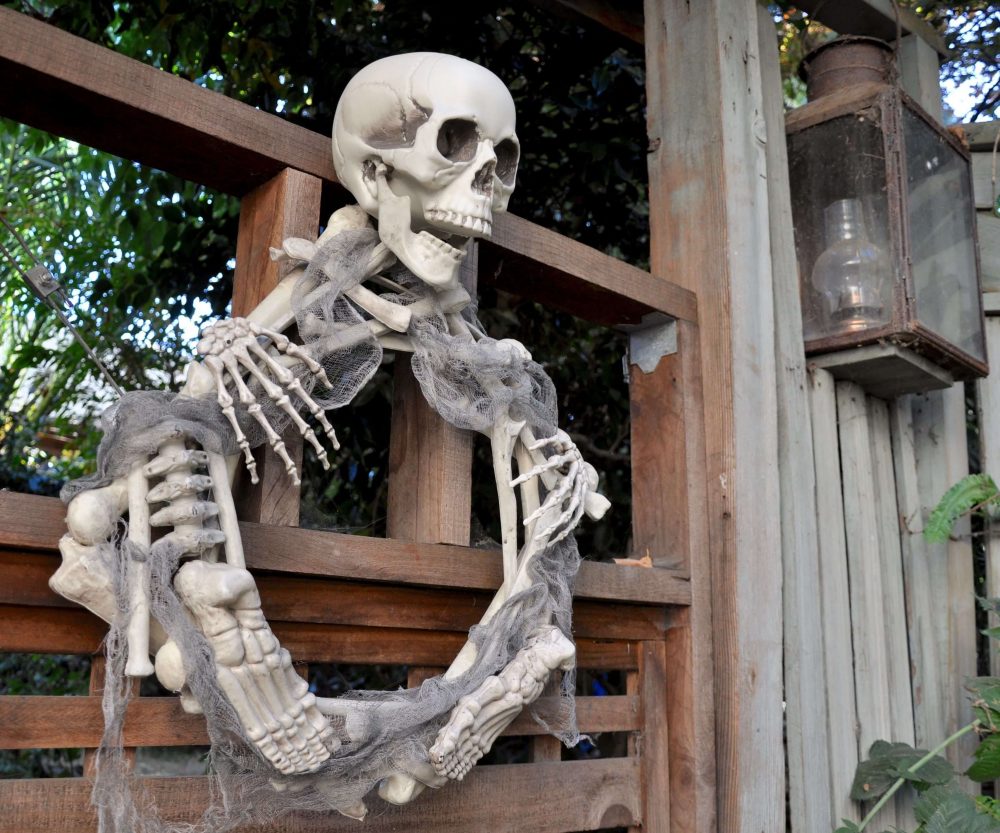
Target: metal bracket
pixel 653 339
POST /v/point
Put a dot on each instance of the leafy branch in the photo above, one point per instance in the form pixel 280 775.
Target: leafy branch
pixel 975 493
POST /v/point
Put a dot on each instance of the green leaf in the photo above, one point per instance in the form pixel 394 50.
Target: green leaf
pixel 965 495
pixel 959 814
pixel 848 826
pixel 930 799
pixel 987 765
pixel 888 762
pixel 986 700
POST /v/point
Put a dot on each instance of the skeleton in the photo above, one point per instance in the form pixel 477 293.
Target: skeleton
pixel 426 144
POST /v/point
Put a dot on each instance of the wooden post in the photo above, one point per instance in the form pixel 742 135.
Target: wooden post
pixel 430 462
pixel 709 230
pixel 807 733
pixel 942 459
pixel 834 598
pixel 286 206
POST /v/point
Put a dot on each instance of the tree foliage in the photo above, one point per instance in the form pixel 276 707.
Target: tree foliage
pixel 140 249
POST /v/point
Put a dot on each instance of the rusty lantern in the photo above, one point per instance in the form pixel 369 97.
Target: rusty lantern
pixel 884 229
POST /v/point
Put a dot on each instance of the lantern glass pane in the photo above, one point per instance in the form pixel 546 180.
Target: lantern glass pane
pixel 838 181
pixel 942 247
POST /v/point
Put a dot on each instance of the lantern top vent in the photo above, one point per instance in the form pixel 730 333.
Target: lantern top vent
pixel 845 63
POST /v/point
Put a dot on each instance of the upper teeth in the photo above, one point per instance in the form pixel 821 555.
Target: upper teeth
pixel 480 224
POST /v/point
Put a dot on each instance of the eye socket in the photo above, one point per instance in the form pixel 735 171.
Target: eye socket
pixel 507 153
pixel 458 140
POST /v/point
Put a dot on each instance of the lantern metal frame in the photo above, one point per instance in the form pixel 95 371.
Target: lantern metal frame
pixel 885 103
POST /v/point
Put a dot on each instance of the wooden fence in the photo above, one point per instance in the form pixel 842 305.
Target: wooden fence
pixel 407 599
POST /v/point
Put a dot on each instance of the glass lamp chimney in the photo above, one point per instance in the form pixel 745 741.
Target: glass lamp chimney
pixel 852 274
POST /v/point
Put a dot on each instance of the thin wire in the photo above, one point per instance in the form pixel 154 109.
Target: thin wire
pixel 20 240
pixel 55 308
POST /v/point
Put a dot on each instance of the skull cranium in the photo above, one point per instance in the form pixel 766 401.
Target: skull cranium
pixel 426 144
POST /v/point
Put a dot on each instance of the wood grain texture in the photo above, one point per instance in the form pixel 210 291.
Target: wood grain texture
pixel 659 463
pixel 929 710
pixel 894 629
pixel 77 631
pixel 894 624
pixel 286 206
pixel 36 523
pixel 989 445
pixel 27 722
pixel 942 460
pixel 709 228
pixel 806 727
pixel 536 263
pixel 551 798
pixel 330 601
pixel 861 522
pixel 70 87
pixel 834 597
pixel 654 738
pixel 430 461
pixel 430 469
pixel 875 18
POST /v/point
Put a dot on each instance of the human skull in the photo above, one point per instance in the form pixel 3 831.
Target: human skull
pixel 425 142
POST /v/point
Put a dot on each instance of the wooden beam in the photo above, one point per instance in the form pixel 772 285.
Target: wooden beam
pixel 36 523
pixel 77 631
pixel 981 135
pixel 286 206
pixel 70 87
pixel 550 797
pixel 709 226
pixel 834 598
pixel 336 602
pixel 875 18
pixel 26 722
pixel 536 263
pixel 430 461
pixel 624 19
pixel 806 715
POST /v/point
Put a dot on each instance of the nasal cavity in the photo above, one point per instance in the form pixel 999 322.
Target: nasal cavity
pixel 482 183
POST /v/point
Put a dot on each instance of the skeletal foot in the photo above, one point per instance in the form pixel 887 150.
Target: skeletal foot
pixel 273 703
pixel 479 718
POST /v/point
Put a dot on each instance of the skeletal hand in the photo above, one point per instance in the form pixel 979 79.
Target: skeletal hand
pixel 232 348
pixel 571 484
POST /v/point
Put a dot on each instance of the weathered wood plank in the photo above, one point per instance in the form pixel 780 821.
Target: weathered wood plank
pixel 77 631
pixel 536 263
pixel 27 722
pixel 286 206
pixel 989 444
pixel 988 227
pixel 654 742
pixel 942 460
pixel 876 18
pixel 871 683
pixel 430 461
pixel 929 713
pixel 26 575
pixel 33 523
pixel 982 180
pixel 890 558
pixel 660 477
pixel 834 596
pixel 551 798
pixel 981 135
pixel 687 707
pixel 806 730
pixel 68 86
pixel 430 469
pixel 709 227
